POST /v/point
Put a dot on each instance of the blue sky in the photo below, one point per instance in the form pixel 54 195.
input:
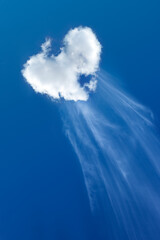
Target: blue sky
pixel 42 190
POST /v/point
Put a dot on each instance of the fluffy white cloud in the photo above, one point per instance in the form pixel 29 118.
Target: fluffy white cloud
pixel 58 76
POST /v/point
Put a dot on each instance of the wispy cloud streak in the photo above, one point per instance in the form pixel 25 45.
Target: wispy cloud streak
pixel 115 141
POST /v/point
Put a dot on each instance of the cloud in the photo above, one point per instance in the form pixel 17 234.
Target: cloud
pixel 58 76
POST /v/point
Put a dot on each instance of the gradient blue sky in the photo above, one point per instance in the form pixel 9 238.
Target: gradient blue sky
pixel 42 192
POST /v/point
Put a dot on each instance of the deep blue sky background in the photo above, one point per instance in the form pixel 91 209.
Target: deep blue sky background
pixel 42 193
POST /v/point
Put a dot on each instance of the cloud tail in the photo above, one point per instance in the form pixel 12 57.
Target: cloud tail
pixel 114 139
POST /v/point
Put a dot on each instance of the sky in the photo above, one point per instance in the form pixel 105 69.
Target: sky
pixel 42 188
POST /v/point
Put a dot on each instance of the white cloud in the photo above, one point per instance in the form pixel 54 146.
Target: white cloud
pixel 58 76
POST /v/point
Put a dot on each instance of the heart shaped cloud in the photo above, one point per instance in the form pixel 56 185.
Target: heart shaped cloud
pixel 58 76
